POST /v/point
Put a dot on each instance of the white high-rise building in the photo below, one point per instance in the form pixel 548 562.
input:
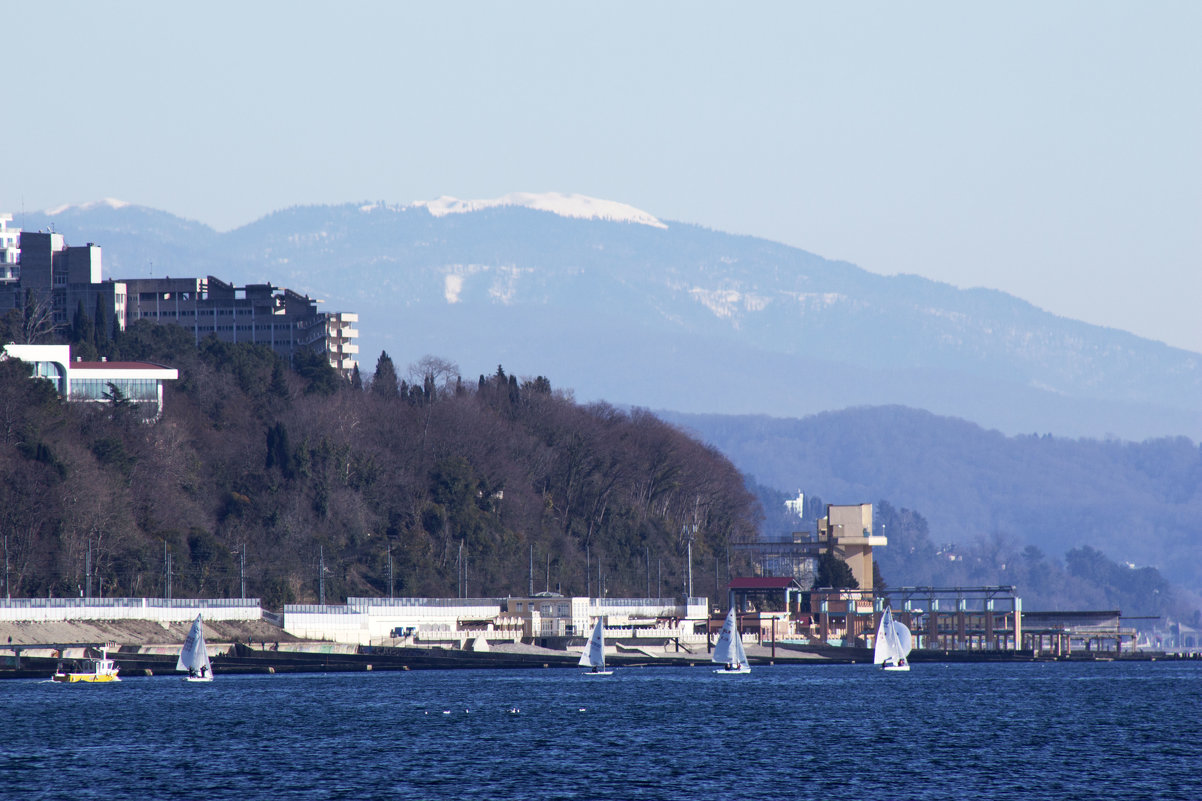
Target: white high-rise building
pixel 10 249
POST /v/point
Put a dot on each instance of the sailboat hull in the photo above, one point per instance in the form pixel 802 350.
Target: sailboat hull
pixel 734 671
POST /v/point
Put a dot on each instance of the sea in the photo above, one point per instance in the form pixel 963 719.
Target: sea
pixel 1054 730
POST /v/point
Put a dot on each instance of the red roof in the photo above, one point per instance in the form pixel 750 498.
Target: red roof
pixel 763 583
pixel 116 366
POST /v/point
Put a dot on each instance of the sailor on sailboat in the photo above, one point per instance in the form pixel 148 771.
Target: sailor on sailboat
pixel 728 651
pixel 194 656
pixel 594 653
pixel 893 643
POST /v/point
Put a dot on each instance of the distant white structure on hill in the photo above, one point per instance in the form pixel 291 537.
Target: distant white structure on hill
pixel 138 383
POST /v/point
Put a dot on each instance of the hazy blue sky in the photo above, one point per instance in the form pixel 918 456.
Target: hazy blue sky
pixel 1050 150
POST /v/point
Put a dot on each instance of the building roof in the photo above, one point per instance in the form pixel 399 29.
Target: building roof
pixel 117 366
pixel 764 583
pixel 121 370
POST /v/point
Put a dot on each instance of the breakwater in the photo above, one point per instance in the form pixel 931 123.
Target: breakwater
pixel 316 657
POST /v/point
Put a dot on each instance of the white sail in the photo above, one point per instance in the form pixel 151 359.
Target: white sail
pixel 728 651
pixel 905 641
pixel 594 652
pixel 893 642
pixel 194 656
pixel 724 650
pixel 881 649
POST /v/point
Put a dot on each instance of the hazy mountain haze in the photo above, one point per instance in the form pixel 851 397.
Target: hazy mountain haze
pixel 635 310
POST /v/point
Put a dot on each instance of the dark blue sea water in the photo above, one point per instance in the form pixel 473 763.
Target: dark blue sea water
pixel 957 731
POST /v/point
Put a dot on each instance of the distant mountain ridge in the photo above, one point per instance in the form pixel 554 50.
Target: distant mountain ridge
pixel 670 315
pixel 1137 502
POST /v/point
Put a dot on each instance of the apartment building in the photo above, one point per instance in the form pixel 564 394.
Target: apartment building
pixel 67 276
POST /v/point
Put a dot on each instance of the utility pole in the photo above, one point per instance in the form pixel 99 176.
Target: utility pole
pixel 87 572
pixel 532 570
pixel 242 570
pixel 688 532
pixel 166 572
pixel 391 584
pixel 459 568
pixel 321 575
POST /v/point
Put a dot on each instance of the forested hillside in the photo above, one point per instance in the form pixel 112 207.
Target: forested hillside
pixel 456 483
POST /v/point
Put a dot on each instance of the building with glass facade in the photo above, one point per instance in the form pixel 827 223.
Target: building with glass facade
pixel 138 383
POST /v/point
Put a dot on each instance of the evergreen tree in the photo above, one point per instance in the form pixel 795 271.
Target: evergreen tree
pixel 316 368
pixel 100 327
pixel 81 326
pixel 279 385
pixel 356 379
pixel 833 572
pixel 384 382
pixel 278 453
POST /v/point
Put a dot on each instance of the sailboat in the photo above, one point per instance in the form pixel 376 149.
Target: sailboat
pixel 728 652
pixel 594 653
pixel 194 656
pixel 893 643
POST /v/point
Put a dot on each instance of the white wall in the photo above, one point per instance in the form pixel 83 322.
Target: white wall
pixel 47 610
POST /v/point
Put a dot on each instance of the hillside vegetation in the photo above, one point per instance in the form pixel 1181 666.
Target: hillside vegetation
pixel 458 485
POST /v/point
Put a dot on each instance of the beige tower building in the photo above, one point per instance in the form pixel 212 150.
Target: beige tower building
pixel 847 531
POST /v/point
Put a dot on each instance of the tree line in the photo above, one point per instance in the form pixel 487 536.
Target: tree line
pixel 413 484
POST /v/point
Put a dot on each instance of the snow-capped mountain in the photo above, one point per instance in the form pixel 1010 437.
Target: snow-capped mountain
pixel 580 207
pixel 610 301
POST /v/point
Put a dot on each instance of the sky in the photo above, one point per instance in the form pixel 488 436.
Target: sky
pixel 1051 150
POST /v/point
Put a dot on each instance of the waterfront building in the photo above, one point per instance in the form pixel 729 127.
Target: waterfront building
pixel 545 617
pixel 847 532
pixel 138 383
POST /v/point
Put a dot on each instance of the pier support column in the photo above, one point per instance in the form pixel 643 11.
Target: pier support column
pixel 990 641
pixel 1018 622
pixel 961 624
pixel 933 623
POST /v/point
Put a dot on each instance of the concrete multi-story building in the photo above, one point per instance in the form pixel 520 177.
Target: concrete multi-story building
pixel 62 276
pixel 67 277
pixel 10 249
pixel 286 321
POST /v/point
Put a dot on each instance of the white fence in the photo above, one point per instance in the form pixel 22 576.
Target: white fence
pixel 161 610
